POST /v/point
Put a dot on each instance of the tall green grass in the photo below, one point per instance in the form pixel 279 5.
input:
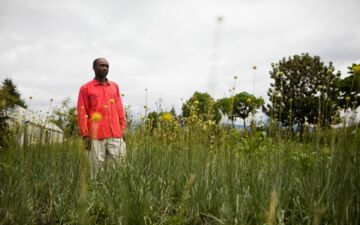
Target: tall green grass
pixel 197 174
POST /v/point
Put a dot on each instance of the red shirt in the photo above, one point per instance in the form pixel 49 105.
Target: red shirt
pixel 100 110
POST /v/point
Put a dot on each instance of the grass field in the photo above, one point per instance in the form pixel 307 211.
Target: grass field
pixel 197 174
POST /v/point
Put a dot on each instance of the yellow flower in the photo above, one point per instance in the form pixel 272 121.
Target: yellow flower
pixel 112 100
pixel 196 102
pixel 96 117
pixel 168 117
pixel 347 98
pixel 248 100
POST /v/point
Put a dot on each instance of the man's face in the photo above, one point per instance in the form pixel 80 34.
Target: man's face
pixel 101 68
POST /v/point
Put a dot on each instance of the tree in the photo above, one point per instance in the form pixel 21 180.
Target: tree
pixel 226 105
pixel 173 112
pixel 244 104
pixel 10 96
pixel 153 119
pixel 202 105
pixel 303 88
pixel 350 89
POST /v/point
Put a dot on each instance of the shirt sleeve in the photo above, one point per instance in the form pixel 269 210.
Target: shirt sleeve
pixel 82 113
pixel 121 112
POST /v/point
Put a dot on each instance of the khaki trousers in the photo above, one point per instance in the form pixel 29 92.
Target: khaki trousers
pixel 101 151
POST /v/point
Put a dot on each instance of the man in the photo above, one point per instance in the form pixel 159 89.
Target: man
pixel 101 117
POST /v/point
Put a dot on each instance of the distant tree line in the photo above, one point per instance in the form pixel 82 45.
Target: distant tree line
pixel 303 90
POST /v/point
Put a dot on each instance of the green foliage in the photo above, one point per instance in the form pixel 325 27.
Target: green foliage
pixel 65 117
pixel 129 117
pixel 244 104
pixel 197 174
pixel 39 185
pixel 172 111
pixel 350 89
pixel 303 88
pixel 10 96
pixel 153 118
pixel 6 134
pixel 239 106
pixel 202 105
pixel 226 106
pixel 160 120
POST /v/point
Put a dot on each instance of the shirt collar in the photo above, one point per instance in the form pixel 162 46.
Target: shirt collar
pixel 96 82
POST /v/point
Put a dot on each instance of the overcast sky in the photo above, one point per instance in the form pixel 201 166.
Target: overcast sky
pixel 171 48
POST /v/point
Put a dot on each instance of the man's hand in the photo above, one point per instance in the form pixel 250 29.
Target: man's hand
pixel 123 136
pixel 87 143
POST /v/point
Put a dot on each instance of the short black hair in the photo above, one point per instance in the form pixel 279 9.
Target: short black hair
pixel 95 61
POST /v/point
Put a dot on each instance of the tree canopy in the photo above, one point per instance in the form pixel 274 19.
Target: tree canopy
pixel 202 105
pixel 239 106
pixel 303 89
pixel 226 106
pixel 350 88
pixel 244 104
pixel 10 96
